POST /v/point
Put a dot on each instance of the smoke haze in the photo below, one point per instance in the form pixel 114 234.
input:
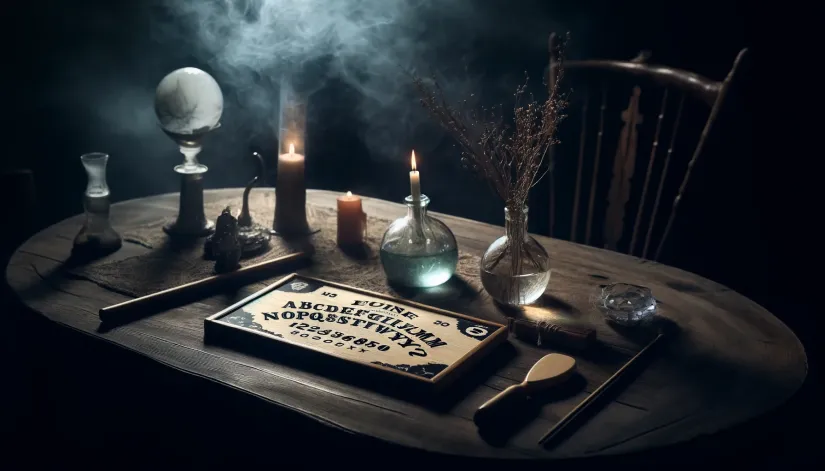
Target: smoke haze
pixel 352 56
pixel 369 45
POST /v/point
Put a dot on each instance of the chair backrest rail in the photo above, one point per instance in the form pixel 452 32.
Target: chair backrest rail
pixel 637 221
pixel 591 203
pixel 658 199
pixel 714 112
pixel 705 89
pixel 577 192
pixel 711 93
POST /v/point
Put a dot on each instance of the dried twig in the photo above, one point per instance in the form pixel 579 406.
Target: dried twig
pixel 510 158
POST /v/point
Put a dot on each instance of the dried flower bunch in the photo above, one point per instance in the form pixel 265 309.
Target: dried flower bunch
pixel 510 158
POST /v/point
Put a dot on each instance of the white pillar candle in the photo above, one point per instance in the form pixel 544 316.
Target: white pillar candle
pixel 290 193
pixel 415 181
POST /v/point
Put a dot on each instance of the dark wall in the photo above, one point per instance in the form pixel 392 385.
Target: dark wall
pixel 84 70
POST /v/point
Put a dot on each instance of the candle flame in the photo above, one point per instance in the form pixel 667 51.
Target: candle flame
pixel 291 148
pixel 349 193
pixel 412 161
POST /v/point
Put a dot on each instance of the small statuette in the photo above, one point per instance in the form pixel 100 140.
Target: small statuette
pixel 225 244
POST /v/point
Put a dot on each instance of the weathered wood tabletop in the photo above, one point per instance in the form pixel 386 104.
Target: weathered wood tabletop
pixel 732 361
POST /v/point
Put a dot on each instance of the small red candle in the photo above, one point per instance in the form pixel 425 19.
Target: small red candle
pixel 352 221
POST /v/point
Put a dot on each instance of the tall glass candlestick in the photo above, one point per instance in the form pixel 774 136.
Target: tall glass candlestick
pixel 96 237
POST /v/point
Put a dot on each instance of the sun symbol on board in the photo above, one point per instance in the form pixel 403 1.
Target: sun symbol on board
pixel 298 285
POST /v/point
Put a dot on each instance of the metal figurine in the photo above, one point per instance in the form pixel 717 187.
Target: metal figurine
pixel 253 237
pixel 225 244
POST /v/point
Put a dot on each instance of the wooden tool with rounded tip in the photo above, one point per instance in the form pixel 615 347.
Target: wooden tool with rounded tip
pixel 549 371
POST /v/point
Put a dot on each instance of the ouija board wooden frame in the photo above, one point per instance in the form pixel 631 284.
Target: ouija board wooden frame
pixel 472 337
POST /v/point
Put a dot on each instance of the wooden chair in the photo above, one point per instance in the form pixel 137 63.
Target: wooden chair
pixel 628 195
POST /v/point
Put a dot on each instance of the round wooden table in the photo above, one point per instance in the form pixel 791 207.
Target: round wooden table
pixel 732 361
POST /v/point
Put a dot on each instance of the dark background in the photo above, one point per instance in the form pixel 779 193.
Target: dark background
pixel 86 73
pixel 70 65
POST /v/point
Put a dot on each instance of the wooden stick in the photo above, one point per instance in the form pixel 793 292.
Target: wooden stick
pixel 126 310
pixel 547 334
pixel 576 412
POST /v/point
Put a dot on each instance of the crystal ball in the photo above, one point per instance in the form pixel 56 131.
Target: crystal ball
pixel 188 101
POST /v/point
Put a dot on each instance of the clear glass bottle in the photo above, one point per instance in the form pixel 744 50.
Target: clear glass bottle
pixel 96 237
pixel 418 250
pixel 515 269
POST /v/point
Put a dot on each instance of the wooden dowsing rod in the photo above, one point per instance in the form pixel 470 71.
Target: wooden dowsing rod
pixel 571 416
pixel 120 311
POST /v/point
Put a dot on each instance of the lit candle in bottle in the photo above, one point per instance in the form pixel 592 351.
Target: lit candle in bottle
pixel 415 181
pixel 352 221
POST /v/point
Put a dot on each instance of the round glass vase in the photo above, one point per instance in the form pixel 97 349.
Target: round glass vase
pixel 515 268
pixel 417 250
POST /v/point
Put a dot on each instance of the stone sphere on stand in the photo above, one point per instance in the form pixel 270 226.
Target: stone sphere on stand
pixel 189 104
pixel 188 101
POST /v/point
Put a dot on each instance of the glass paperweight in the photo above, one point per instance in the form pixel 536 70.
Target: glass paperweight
pixel 96 237
pixel 417 250
pixel 626 304
pixel 515 269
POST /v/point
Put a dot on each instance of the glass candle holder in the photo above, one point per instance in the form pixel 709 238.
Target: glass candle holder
pixel 96 237
pixel 417 250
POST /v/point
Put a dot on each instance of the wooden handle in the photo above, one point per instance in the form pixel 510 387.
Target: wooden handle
pixel 144 305
pixel 499 406
pixel 547 334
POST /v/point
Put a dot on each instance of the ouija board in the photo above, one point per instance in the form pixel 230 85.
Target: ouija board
pixel 400 337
